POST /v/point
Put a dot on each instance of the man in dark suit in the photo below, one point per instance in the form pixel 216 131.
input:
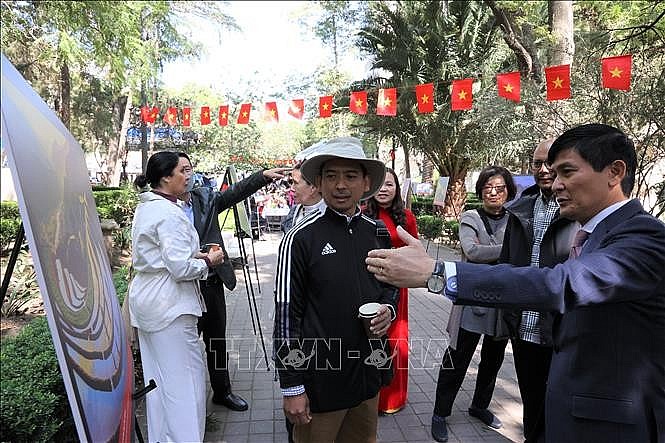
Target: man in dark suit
pixel 607 377
pixel 203 205
pixel 536 235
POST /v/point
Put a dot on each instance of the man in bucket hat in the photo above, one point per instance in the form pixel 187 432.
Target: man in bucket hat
pixel 330 367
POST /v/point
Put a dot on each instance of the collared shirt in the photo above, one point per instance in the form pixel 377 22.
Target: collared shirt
pixel 187 209
pixel 544 211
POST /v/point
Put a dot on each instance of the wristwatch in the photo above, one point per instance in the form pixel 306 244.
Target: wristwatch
pixel 436 282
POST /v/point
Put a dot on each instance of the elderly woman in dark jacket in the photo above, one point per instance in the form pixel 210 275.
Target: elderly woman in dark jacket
pixel 481 237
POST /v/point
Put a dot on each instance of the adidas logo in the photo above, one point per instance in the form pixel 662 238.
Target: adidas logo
pixel 328 249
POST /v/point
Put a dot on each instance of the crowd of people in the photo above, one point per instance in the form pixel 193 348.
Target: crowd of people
pixel 584 309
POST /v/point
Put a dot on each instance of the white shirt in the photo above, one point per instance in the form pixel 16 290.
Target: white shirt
pixel 165 285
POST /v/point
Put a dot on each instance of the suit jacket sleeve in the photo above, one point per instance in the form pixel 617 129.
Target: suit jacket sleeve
pixel 239 191
pixel 624 263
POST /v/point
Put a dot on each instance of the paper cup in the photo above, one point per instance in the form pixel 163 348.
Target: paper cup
pixel 366 313
pixel 212 246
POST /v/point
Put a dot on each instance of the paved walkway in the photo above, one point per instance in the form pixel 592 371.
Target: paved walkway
pixel 428 314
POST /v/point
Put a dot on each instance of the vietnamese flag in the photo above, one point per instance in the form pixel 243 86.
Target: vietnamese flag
pixel 154 114
pixel 387 102
pixel 325 106
pixel 461 98
pixel 205 115
pixel 271 112
pixel 146 115
pixel 297 108
pixel 171 116
pixel 509 85
pixel 243 115
pixel 223 115
pixel 358 102
pixel 186 116
pixel 558 82
pixel 616 72
pixel 425 97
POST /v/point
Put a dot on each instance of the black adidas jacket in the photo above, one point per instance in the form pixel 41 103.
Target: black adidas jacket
pixel 321 281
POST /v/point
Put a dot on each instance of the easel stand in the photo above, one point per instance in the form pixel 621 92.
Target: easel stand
pixel 249 288
pixel 137 396
pixel 18 243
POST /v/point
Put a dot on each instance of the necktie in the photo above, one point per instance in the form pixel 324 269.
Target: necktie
pixel 578 241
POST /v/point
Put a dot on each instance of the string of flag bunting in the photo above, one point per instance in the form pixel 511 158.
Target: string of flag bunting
pixel 615 74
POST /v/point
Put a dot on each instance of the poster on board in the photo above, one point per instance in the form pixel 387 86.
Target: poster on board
pixel 440 193
pixel 72 268
pixel 230 179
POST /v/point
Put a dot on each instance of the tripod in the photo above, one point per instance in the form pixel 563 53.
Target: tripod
pixel 229 179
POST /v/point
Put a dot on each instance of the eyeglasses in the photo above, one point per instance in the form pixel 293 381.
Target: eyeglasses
pixel 537 164
pixel 499 189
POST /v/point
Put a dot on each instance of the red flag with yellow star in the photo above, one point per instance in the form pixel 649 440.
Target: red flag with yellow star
pixel 325 106
pixel 223 115
pixel 271 112
pixel 616 72
pixel 145 114
pixel 358 102
pixel 154 114
pixel 186 116
pixel 425 97
pixel 387 102
pixel 171 116
pixel 558 82
pixel 205 115
pixel 509 85
pixel 243 115
pixel 297 108
pixel 461 98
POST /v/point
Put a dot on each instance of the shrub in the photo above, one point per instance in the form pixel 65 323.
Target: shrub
pixel 9 223
pixel 22 287
pixel 451 230
pixel 430 226
pixel 118 204
pixel 422 206
pixel 34 401
pixel 472 201
pixel 121 283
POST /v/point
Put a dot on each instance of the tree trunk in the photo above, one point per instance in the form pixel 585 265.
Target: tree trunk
pixel 561 26
pixel 519 43
pixel 65 94
pixel 117 150
pixel 455 195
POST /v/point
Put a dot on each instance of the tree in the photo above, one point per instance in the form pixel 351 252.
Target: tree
pixel 416 42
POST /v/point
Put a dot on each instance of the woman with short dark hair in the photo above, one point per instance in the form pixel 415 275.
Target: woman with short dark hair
pixel 165 301
pixel 481 237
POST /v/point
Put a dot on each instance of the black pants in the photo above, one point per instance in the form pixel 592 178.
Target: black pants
pixel 532 366
pixel 455 364
pixel 213 326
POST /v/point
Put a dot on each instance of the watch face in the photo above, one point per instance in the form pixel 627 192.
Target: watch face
pixel 435 284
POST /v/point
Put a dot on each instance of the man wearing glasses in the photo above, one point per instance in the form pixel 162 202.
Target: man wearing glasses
pixel 535 236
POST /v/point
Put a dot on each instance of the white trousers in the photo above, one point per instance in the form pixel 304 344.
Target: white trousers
pixel 176 409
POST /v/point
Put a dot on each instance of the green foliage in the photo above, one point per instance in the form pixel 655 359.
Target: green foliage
pixel 422 206
pixel 430 226
pixel 22 287
pixel 472 201
pixel 116 204
pixel 121 283
pixel 9 223
pixel 451 230
pixel 34 402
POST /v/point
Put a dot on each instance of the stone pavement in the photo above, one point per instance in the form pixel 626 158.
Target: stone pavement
pixel 428 315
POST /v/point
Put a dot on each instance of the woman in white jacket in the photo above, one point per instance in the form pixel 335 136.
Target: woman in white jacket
pixel 165 302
